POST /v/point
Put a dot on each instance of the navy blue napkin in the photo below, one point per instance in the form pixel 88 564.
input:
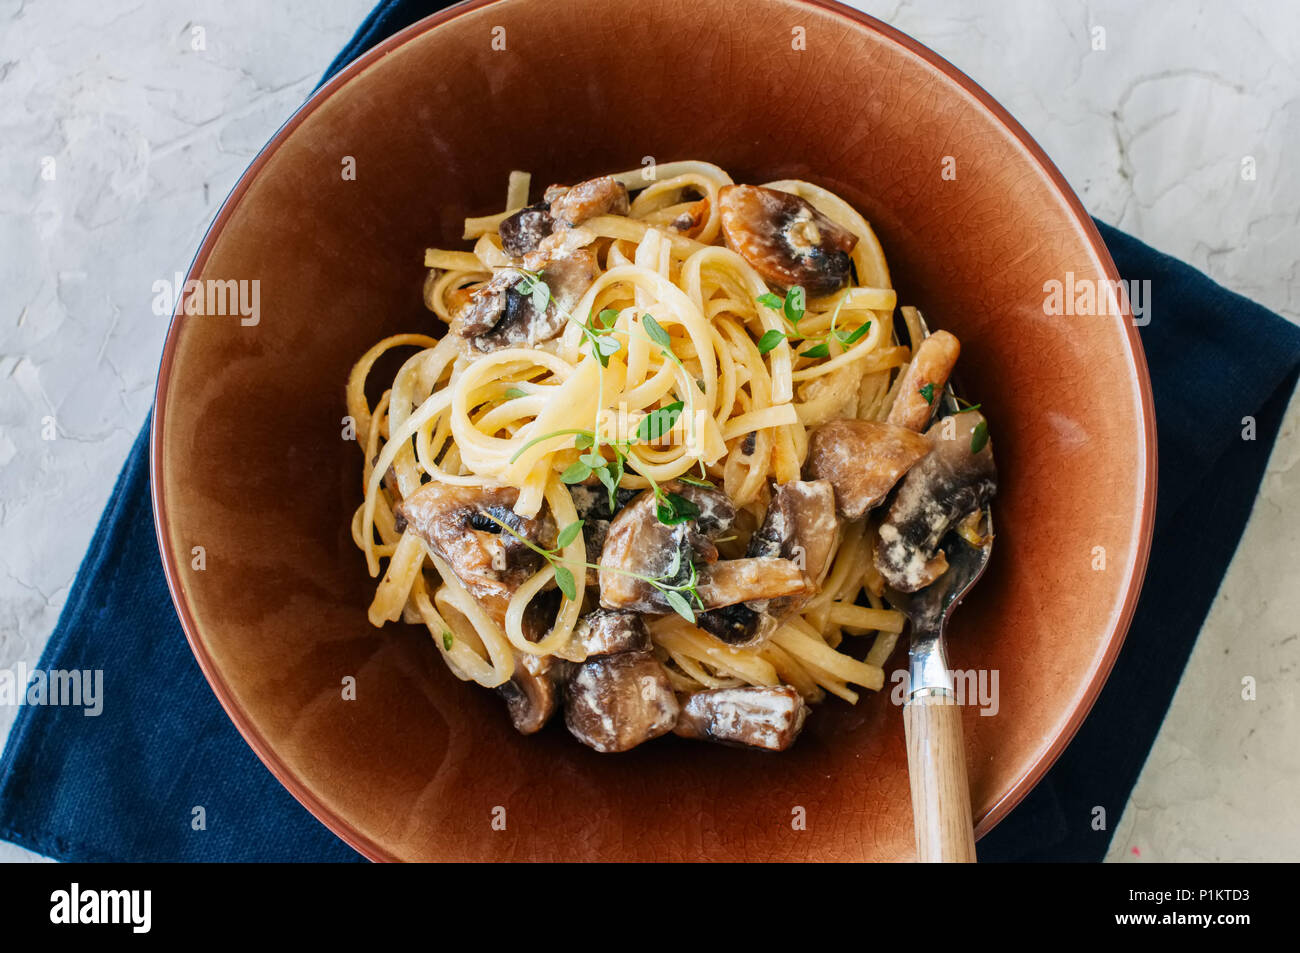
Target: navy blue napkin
pixel 125 785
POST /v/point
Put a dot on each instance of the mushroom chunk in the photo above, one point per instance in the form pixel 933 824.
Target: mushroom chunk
pixel 737 624
pixel 863 460
pixel 926 374
pixel 606 632
pixel 461 524
pixel 531 697
pixel 600 196
pixel 798 536
pixel 730 581
pixel 751 717
pixel 615 702
pixel 637 542
pixel 523 231
pixel 785 239
pixel 955 480
pixel 499 315
pixel 800 524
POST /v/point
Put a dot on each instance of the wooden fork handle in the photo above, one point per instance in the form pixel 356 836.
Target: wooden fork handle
pixel 936 762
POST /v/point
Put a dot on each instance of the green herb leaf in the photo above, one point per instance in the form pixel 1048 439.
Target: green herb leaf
pixel 679 604
pixel 770 300
pixel 795 301
pixel 611 474
pixel 979 437
pixel 674 508
pixel 513 392
pixel 447 640
pixel 656 332
pixel 582 441
pixel 927 392
pixel 575 472
pixel 568 534
pixel 769 340
pixel 607 318
pixel 970 407
pixel 605 345
pixel 536 289
pixel 608 480
pixel 695 481
pixel 817 350
pixel 564 579
pixel 849 338
pixel 659 422
pixel 676 564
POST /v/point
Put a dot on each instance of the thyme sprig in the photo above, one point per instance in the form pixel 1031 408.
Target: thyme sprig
pixel 792 308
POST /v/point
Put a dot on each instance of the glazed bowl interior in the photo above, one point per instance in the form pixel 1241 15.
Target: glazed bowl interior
pixel 251 460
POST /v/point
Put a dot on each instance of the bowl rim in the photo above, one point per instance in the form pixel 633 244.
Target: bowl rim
pixel 1051 175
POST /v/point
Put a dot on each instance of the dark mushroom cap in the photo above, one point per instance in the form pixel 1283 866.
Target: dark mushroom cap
pixel 531 699
pixel 616 702
pixel 952 482
pixel 785 239
pixel 736 624
pixel 523 231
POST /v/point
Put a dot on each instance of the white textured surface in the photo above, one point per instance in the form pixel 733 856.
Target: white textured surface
pixel 148 135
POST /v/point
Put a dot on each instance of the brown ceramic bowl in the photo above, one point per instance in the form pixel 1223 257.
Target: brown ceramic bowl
pixel 248 460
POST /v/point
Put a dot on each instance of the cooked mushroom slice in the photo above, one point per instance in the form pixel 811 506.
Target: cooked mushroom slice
pixel 730 581
pixel 737 624
pixel 791 550
pixel 460 525
pixel 943 489
pixel 927 374
pixel 863 460
pixel 801 525
pixel 606 632
pixel 786 240
pixel 523 231
pixel 499 315
pixel 752 717
pixel 586 200
pixel 532 695
pixel 615 702
pixel 638 543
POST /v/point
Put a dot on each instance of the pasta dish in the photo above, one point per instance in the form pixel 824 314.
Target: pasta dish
pixel 666 457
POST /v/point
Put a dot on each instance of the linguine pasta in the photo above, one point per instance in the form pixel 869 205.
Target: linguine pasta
pixel 672 371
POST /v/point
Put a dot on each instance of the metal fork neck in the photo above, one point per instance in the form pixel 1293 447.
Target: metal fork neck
pixel 927 668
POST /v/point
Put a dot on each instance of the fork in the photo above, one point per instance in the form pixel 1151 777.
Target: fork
pixel 936 755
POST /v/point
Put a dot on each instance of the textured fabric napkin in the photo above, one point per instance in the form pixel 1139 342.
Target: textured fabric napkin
pixel 124 785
